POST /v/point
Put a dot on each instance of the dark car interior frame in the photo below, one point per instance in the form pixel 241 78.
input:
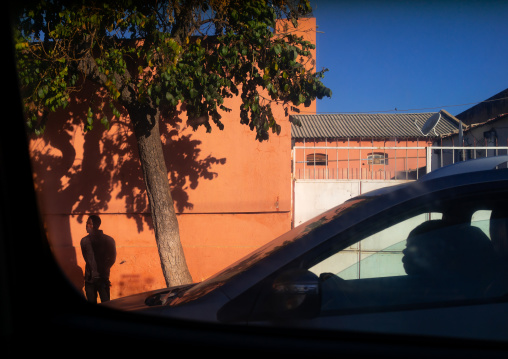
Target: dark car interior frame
pixel 41 310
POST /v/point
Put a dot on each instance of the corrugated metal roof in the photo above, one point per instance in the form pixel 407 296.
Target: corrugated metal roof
pixel 370 125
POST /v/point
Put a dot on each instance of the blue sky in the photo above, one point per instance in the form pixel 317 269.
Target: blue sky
pixel 420 56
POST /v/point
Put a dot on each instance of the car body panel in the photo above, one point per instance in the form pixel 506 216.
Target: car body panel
pixel 479 164
pixel 465 322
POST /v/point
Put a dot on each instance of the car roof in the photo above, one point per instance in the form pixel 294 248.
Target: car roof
pixel 465 167
pixel 480 164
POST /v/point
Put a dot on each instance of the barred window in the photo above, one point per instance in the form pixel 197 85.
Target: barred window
pixel 377 159
pixel 317 159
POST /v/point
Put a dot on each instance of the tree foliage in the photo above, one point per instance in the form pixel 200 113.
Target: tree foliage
pixel 196 53
pixel 152 57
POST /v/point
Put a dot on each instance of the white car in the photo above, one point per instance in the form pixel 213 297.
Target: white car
pixel 425 258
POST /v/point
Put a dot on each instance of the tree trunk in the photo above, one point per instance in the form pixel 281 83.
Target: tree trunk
pixel 146 128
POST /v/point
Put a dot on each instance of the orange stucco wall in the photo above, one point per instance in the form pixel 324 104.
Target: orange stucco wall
pixel 232 193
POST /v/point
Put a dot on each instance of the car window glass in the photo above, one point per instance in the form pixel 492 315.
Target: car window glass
pixel 481 219
pixel 378 255
pixel 419 260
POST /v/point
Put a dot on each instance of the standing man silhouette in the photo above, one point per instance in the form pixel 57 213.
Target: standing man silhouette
pixel 99 252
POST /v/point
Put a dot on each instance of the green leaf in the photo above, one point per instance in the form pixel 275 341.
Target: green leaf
pixel 234 15
pixel 105 122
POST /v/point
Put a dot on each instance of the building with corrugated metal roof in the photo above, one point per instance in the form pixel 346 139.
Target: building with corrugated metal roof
pixel 364 146
pixel 336 157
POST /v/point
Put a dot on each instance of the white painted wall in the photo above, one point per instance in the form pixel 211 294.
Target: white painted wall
pixel 313 197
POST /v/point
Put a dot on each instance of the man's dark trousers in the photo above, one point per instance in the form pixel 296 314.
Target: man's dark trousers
pixel 97 287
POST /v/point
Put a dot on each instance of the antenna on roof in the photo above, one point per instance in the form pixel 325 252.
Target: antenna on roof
pixel 431 123
pixel 461 141
pixel 461 134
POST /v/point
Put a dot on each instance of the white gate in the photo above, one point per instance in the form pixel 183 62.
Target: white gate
pixel 312 197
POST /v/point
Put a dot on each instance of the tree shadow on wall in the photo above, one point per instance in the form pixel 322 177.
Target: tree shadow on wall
pixel 183 162
pixel 77 174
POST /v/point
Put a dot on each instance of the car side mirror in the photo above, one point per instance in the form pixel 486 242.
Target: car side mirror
pixel 296 294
